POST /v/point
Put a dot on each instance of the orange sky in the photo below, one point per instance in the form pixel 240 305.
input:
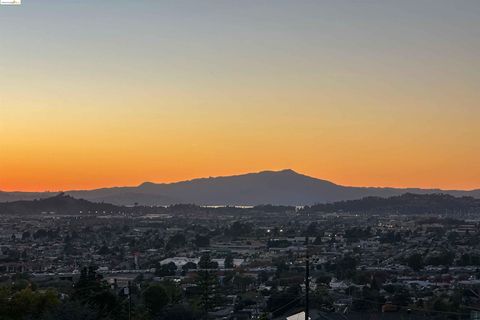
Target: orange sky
pixel 167 91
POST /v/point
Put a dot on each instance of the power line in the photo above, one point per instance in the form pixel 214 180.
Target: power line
pixel 287 304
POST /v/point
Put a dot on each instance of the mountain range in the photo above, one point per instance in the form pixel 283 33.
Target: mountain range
pixel 285 187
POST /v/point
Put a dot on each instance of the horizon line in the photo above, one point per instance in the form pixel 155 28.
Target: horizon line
pixel 237 175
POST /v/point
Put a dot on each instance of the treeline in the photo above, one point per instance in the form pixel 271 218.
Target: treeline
pixel 408 203
pixel 66 204
pixel 92 298
pixel 418 261
pixel 62 204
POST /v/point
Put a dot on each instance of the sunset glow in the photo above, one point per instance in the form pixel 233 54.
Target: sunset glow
pixel 165 91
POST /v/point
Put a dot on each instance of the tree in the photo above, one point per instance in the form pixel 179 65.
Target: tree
pixel 104 250
pixel 87 285
pixel 321 299
pixel 202 241
pixel 243 282
pixel 189 266
pixel 72 310
pixel 41 233
pixel 156 298
pixel 207 283
pixel 69 249
pixel 444 258
pixel 158 242
pixel 324 279
pixel 346 267
pixel 453 236
pixel 263 316
pixel 206 262
pixel 468 259
pixel 278 243
pixel 107 304
pixel 281 266
pixel 176 242
pixel 263 276
pixel 91 290
pixel 174 292
pixel 179 312
pixel 415 261
pixel 390 237
pixel 239 229
pixel 354 234
pixel 20 284
pixel 370 300
pixel 166 270
pixel 27 303
pixel 312 230
pixel 401 297
pixel 228 264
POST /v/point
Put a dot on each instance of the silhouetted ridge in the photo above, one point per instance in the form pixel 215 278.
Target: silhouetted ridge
pixel 61 203
pixel 285 187
pixel 405 204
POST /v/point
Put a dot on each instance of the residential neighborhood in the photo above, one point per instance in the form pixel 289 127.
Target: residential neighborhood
pixel 250 263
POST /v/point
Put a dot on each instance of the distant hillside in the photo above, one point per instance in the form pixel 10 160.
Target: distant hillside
pixel 61 203
pixel 404 204
pixel 284 187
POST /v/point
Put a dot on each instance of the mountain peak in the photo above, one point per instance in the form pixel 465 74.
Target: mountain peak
pixel 289 172
pixel 282 172
pixel 286 171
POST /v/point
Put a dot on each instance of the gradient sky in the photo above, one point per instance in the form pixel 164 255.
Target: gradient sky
pixel 117 92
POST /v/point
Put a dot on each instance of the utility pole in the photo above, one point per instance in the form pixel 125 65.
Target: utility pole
pixel 307 281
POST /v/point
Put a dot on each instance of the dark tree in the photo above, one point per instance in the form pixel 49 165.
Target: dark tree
pixel 206 262
pixel 415 261
pixel 207 283
pixel 166 270
pixel 189 266
pixel 239 229
pixel 156 298
pixel 228 262
pixel 179 312
pixel 202 241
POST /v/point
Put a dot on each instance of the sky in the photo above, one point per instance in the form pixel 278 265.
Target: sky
pixel 118 92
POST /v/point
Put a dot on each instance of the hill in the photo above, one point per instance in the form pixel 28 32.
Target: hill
pixel 405 204
pixel 285 187
pixel 61 203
